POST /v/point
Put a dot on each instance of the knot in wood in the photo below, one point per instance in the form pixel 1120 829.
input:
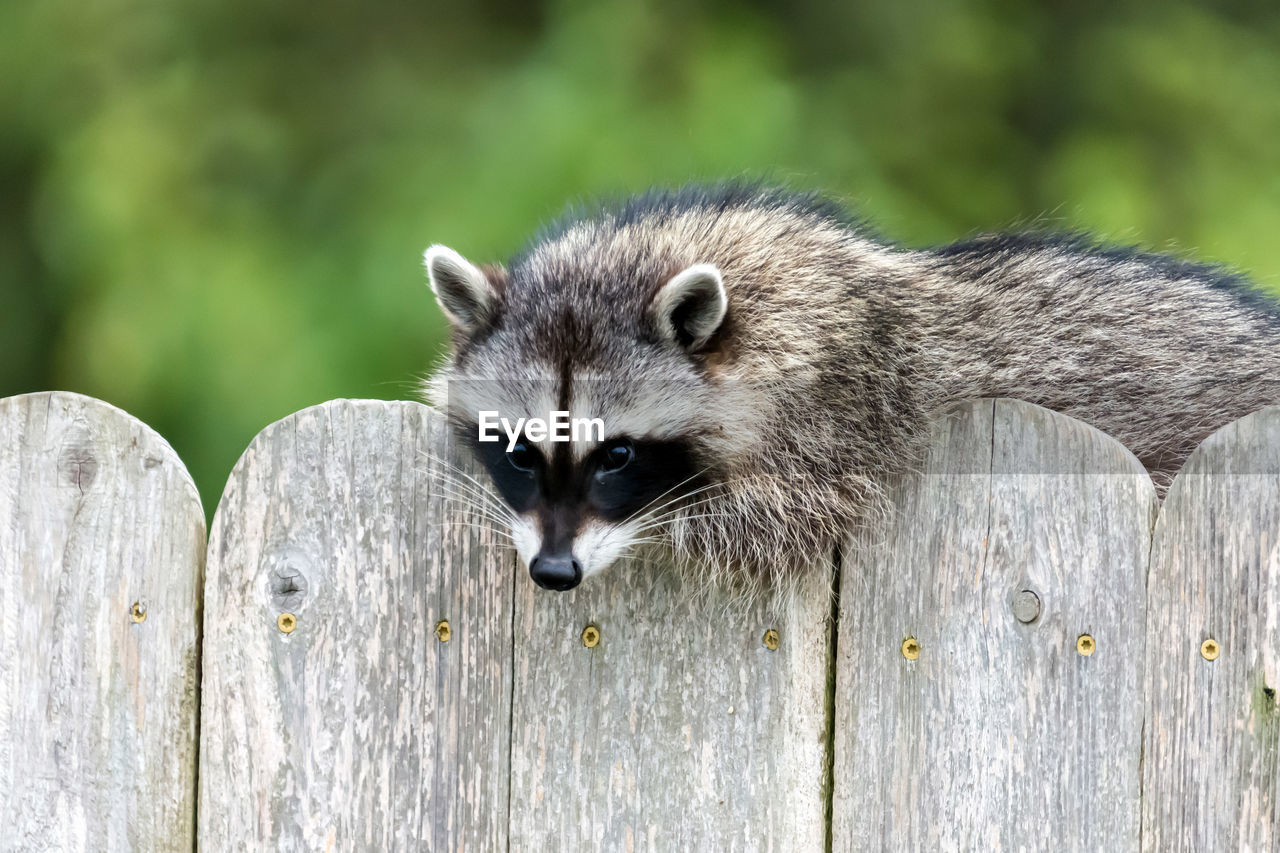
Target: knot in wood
pixel 1026 606
pixel 288 587
pixel 78 465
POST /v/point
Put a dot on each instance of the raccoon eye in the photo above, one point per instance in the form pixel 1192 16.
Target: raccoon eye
pixel 617 455
pixel 522 457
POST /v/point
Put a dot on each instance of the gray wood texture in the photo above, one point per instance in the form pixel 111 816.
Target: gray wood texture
pixel 1001 735
pixel 336 714
pixel 1212 747
pixel 97 710
pixel 680 729
pixel 360 729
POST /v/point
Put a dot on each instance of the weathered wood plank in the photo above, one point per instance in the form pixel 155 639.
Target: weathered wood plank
pixel 680 729
pixel 97 709
pixel 1211 775
pixel 360 730
pixel 1001 735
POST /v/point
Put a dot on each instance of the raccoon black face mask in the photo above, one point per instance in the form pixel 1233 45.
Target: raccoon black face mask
pixel 752 368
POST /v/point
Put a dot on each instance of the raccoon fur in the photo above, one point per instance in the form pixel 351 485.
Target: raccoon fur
pixel 763 365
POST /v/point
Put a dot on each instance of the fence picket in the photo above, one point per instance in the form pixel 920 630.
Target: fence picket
pixel 681 729
pixel 1014 662
pixel 101 547
pixel 1211 776
pixel 1001 734
pixel 355 726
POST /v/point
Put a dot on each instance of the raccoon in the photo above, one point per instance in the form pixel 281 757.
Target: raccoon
pixel 763 364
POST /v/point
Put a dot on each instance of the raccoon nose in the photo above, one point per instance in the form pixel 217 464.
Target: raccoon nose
pixel 558 572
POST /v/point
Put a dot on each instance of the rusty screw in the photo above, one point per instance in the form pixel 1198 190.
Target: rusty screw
pixel 771 640
pixel 591 636
pixel 443 633
pixel 911 648
pixel 138 612
pixel 286 622
pixel 1209 649
pixel 1085 644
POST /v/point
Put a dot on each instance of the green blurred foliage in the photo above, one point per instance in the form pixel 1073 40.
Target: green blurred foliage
pixel 212 214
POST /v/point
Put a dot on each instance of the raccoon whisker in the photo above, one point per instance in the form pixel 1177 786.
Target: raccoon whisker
pixel 484 510
pixel 445 467
pixel 646 507
pixel 469 482
pixel 439 460
pixel 638 542
pixel 676 512
pixel 469 504
pixel 457 470
pixel 460 490
pixel 477 491
pixel 651 520
pixel 479 524
pixel 685 512
pixel 464 487
pixel 693 476
pixel 476 520
pixel 477 504
pixel 687 518
pixel 469 507
pixel 671 508
pixel 448 479
pixel 481 528
pixel 675 505
pixel 643 540
pixel 645 524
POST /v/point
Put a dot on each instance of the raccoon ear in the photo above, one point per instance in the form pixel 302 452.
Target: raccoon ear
pixel 467 294
pixel 691 306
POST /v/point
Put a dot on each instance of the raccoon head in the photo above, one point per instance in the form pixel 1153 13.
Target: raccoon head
pixel 589 395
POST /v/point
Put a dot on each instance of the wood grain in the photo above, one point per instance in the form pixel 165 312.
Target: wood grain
pixel 97 711
pixel 680 729
pixel 1211 777
pixel 1001 735
pixel 361 729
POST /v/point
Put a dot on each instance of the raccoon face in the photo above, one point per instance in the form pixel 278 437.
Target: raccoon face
pixel 583 512
pixel 592 415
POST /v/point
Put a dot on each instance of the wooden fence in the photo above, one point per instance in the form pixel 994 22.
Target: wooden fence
pixel 1032 655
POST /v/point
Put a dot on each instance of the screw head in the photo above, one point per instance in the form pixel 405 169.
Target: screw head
pixel 443 632
pixel 911 648
pixel 138 612
pixel 1209 649
pixel 286 622
pixel 771 640
pixel 1086 645
pixel 591 636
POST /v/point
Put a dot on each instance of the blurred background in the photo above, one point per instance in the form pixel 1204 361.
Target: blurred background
pixel 212 214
